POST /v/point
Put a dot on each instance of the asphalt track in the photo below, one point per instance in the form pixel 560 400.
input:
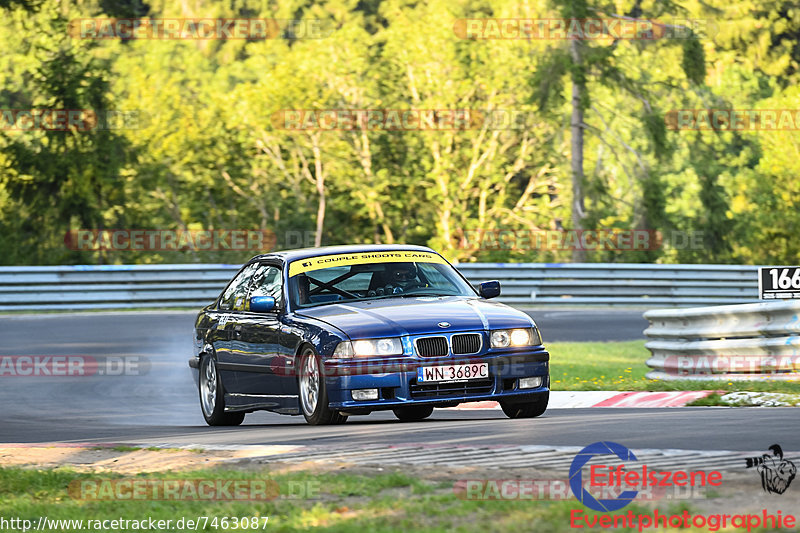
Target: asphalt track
pixel 161 405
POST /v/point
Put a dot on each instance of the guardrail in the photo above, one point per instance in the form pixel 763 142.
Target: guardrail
pixel 112 286
pixel 626 284
pixel 531 284
pixel 750 341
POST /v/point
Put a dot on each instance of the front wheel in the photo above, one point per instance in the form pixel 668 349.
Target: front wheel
pixel 413 414
pixel 528 409
pixel 314 393
pixel 212 396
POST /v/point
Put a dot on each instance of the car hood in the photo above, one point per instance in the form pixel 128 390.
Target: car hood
pixel 394 317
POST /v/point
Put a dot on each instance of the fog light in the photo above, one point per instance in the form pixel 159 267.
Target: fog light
pixel 365 394
pixel 530 383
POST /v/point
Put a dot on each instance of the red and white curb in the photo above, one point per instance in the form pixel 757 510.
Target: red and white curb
pixel 575 399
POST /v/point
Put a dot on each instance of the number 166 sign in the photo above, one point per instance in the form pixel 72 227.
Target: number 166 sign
pixel 778 282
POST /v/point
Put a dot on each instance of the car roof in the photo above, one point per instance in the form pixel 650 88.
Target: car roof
pixel 303 253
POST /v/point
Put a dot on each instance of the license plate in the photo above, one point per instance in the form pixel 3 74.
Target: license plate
pixel 438 374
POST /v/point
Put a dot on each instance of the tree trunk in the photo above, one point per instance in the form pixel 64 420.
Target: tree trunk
pixel 576 129
pixel 320 183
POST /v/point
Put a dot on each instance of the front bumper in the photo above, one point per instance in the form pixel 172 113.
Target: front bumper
pixel 396 381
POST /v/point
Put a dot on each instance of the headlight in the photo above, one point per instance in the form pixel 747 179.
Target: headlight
pixel 503 338
pixel 369 348
pixel 343 350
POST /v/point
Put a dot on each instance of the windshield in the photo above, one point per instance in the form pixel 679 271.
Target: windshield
pixel 359 278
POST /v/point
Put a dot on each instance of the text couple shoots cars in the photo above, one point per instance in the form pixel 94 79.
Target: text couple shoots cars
pixel 347 330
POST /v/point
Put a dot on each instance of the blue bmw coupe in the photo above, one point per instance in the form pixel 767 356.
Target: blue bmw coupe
pixel 347 330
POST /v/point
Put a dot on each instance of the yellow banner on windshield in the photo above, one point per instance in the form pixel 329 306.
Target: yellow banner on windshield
pixel 362 258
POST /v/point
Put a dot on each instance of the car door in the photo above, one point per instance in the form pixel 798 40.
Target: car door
pixel 257 336
pixel 222 332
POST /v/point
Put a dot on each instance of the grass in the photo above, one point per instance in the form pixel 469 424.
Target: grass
pixel 598 365
pixel 712 399
pixel 173 450
pixel 588 366
pixel 387 502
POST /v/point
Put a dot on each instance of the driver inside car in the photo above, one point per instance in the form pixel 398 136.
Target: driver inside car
pixel 403 275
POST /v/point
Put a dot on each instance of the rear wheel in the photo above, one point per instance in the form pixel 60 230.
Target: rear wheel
pixel 528 409
pixel 413 414
pixel 314 393
pixel 212 396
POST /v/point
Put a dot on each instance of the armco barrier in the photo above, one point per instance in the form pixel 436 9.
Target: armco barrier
pixel 112 286
pixel 604 284
pixel 750 341
pixel 523 284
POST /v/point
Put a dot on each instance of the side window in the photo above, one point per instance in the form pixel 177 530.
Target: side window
pixel 267 282
pixel 234 296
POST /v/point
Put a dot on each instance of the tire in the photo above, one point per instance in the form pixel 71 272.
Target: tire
pixel 529 409
pixel 313 391
pixel 413 414
pixel 212 396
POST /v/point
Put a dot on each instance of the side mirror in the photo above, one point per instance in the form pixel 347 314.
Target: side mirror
pixel 262 304
pixel 489 289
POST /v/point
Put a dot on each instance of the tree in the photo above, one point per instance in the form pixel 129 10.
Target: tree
pixel 63 175
pixel 581 62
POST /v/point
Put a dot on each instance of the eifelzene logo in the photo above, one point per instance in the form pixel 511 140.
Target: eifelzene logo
pixel 619 477
pixel 776 472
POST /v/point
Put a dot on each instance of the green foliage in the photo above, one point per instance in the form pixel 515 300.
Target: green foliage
pixel 693 61
pixel 207 153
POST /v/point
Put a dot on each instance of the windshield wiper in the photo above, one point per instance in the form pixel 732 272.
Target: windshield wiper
pixel 409 295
